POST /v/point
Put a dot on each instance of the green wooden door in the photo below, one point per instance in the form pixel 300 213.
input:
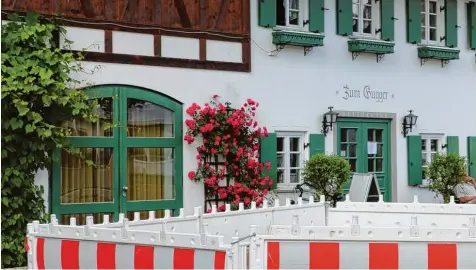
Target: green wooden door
pixel 137 151
pixel 365 144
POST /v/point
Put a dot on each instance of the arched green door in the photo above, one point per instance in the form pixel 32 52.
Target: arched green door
pixel 136 149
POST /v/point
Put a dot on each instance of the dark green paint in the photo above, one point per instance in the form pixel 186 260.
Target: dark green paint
pixel 316 144
pixel 316 16
pixel 451 23
pixel 344 17
pixel 414 160
pixel 471 15
pixel 471 143
pixel 267 13
pixel 387 11
pixel 413 21
pixel 268 149
pixel 452 145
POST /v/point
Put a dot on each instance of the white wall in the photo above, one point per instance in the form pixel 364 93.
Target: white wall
pixel 295 90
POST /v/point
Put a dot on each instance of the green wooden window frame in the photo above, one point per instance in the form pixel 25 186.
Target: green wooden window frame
pixel 344 20
pixel 413 20
pixel 471 15
pixel 267 10
pixel 120 142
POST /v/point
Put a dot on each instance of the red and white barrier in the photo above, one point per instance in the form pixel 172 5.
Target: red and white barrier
pixel 369 255
pixel 54 253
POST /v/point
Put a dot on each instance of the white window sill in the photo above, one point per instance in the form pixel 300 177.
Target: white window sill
pixel 362 37
pixel 424 184
pixel 295 30
pixel 285 188
pixel 436 46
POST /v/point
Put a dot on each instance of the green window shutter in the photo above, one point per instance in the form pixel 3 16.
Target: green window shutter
pixel 451 23
pixel 267 13
pixel 413 21
pixel 316 144
pixel 344 17
pixel 452 145
pixel 472 25
pixel 316 16
pixel 387 11
pixel 472 156
pixel 268 149
pixel 415 171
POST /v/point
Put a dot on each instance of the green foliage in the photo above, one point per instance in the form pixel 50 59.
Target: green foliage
pixel 326 174
pixel 445 172
pixel 38 96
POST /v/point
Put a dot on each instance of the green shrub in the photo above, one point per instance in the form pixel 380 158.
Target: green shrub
pixel 444 173
pixel 326 174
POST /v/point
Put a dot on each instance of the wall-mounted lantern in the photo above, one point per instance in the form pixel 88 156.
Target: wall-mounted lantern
pixel 409 121
pixel 329 119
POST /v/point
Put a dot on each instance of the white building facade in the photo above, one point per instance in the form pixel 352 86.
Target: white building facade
pixel 371 60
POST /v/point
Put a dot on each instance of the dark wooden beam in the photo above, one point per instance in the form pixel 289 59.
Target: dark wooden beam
pixel 183 14
pixel 162 61
pixel 87 8
pixel 203 49
pixel 129 10
pixel 108 41
pixel 246 54
pixel 158 45
pixel 223 12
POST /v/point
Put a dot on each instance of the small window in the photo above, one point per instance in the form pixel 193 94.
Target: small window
pixel 430 146
pixel 290 157
pixel 291 13
pixel 366 17
pixel 432 21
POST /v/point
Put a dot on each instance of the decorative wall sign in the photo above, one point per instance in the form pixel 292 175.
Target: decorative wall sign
pixel 366 92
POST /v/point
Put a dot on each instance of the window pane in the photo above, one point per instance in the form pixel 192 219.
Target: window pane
pixel 355 25
pixel 150 174
pixel 423 158
pixel 81 218
pixel 433 36
pixel 378 135
pixel 294 160
pixel 352 150
pixel 294 4
pixel 423 33
pixel 433 5
pixel 368 12
pixel 434 145
pixel 280 160
pixel 145 214
pixel 294 145
pixel 353 164
pixel 370 135
pixel 352 135
pixel 422 19
pixel 423 145
pixel 280 144
pixel 355 9
pixel 423 5
pixel 146 119
pixel 370 165
pixel 367 2
pixel 295 175
pixel 343 150
pixel 102 128
pixel 380 150
pixel 294 17
pixel 280 176
pixel 368 27
pixel 82 183
pixel 343 134
pixel 379 165
pixel 433 20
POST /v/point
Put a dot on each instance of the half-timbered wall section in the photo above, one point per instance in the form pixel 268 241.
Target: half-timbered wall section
pixel 203 34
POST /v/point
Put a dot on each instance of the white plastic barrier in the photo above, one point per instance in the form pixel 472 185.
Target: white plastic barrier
pixel 87 247
pixel 401 214
pixel 356 247
pixel 233 223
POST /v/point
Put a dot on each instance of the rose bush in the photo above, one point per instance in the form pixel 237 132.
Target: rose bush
pixel 228 154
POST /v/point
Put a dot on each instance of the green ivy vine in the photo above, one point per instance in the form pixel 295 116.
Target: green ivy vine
pixel 38 97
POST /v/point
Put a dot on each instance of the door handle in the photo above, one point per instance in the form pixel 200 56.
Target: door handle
pixel 125 188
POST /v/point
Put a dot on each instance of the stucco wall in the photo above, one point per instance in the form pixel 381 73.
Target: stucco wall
pixel 295 90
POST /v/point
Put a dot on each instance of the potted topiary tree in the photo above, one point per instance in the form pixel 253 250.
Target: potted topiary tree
pixel 444 173
pixel 327 174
